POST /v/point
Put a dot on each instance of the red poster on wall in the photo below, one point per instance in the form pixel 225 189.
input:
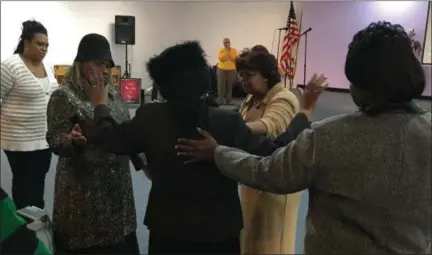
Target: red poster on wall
pixel 130 90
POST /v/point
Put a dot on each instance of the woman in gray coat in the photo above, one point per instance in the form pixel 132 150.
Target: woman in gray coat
pixel 368 172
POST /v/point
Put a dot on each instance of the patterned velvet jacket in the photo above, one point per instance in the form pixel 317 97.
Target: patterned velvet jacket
pixel 93 198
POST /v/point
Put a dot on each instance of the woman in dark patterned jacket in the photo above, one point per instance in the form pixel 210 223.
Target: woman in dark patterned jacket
pixel 94 210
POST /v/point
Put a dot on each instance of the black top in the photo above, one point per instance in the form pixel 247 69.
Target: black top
pixel 193 201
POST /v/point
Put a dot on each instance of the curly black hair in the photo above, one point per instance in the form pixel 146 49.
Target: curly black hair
pixel 259 48
pixel 182 75
pixel 381 63
pixel 29 29
pixel 180 71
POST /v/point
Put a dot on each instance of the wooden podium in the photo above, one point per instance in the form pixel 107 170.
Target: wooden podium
pixel 60 72
pixel 116 74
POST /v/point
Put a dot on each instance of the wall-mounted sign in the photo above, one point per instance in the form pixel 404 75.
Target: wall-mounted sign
pixel 130 90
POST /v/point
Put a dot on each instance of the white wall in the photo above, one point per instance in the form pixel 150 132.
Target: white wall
pixel 334 25
pixel 158 25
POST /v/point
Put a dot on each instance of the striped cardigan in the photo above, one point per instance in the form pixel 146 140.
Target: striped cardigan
pixel 15 237
pixel 24 102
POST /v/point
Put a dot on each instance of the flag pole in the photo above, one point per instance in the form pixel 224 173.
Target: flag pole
pixel 298 44
pixel 286 61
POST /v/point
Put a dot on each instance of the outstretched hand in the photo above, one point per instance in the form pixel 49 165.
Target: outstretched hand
pixel 197 149
pixel 312 92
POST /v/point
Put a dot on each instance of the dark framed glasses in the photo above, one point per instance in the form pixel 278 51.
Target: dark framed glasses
pixel 246 74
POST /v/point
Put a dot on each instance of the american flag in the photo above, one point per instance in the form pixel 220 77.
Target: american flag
pixel 290 41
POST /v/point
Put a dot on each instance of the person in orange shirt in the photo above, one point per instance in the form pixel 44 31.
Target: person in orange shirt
pixel 226 72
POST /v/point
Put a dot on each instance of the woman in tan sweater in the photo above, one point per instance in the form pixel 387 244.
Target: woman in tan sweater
pixel 269 219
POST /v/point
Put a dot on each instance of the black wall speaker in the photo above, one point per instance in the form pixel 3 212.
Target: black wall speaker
pixel 124 30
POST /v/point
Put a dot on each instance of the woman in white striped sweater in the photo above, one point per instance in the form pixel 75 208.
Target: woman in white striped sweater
pixel 26 86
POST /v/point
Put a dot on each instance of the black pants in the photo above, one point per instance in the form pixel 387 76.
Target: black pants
pixel 128 246
pixel 29 169
pixel 163 245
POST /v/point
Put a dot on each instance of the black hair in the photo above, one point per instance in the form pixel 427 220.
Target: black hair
pixel 381 66
pixel 260 61
pixel 259 48
pixel 182 75
pixel 29 29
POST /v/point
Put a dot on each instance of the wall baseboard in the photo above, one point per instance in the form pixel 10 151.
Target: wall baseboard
pixel 347 91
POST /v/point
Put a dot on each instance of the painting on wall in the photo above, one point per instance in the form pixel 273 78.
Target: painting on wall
pixel 130 90
pixel 60 72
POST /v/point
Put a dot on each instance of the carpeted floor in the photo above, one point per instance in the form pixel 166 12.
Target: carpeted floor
pixel 331 103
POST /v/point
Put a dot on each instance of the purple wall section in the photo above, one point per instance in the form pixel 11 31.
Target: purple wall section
pixel 334 24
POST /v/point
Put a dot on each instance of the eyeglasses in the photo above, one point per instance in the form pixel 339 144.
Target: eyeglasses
pixel 244 75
